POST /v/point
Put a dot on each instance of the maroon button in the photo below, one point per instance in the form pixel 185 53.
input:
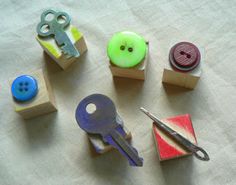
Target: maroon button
pixel 184 56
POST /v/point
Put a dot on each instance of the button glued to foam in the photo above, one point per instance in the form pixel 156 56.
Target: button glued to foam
pixel 184 56
pixel 126 49
pixel 24 88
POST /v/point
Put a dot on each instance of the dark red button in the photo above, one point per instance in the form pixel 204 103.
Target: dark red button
pixel 184 56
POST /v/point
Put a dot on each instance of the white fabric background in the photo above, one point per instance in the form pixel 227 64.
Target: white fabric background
pixel 53 150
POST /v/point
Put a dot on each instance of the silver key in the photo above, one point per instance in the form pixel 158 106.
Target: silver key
pixel 53 24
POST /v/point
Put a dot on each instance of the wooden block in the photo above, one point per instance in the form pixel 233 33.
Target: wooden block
pixel 188 78
pixel 102 147
pixel 167 147
pixel 50 46
pixel 42 103
pixel 137 72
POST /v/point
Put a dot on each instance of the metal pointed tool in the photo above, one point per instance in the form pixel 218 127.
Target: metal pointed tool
pixel 177 137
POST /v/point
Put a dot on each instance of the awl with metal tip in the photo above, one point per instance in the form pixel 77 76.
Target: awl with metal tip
pixel 179 138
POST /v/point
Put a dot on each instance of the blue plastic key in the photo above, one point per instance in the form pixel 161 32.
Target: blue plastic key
pixel 103 120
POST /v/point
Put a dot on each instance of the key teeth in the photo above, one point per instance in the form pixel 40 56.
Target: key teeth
pixel 131 163
pixel 140 158
pixel 66 54
pixel 75 53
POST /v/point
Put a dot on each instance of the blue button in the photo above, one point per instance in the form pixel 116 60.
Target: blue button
pixel 24 88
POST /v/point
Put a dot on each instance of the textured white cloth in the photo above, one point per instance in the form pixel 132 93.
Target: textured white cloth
pixel 53 150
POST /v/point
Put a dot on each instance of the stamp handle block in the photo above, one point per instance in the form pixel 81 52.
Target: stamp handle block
pixel 42 103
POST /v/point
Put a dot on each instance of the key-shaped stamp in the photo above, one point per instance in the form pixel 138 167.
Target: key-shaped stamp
pixel 102 147
pixel 53 24
pixel 96 114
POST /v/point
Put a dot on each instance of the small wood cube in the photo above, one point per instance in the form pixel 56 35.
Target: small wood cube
pixel 188 80
pixel 183 68
pixel 42 103
pixel 137 72
pixel 100 146
pixel 50 46
pixel 167 147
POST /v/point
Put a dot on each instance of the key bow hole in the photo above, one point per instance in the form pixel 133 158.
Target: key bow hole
pixel 91 108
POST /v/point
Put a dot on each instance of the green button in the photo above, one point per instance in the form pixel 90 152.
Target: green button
pixel 126 49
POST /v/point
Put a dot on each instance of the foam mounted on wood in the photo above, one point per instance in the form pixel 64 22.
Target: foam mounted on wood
pixel 42 103
pixel 137 72
pixel 183 78
pixel 166 146
pixel 50 46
